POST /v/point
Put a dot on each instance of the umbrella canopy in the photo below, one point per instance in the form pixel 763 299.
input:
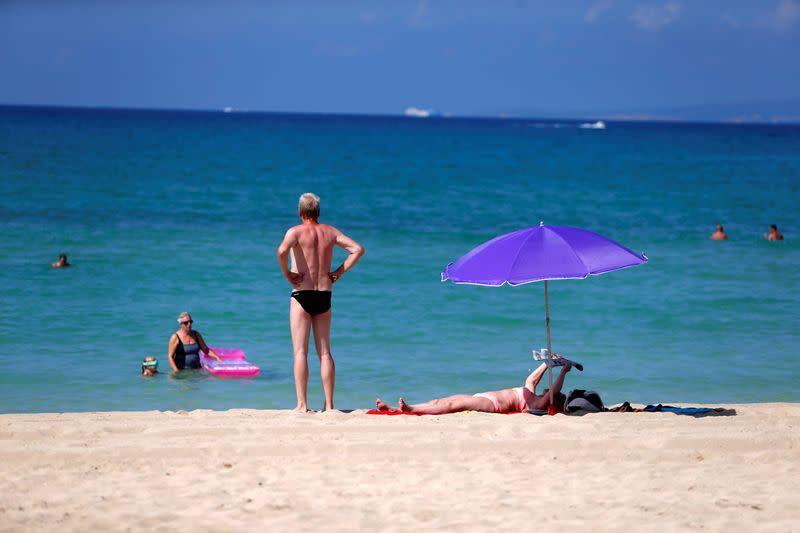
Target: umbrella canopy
pixel 541 253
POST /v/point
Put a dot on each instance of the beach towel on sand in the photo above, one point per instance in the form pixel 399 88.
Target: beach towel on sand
pixel 390 413
pixel 626 407
pixel 394 413
pixel 680 410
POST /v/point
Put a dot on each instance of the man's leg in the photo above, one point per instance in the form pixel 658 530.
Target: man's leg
pixel 451 404
pixel 322 341
pixel 300 323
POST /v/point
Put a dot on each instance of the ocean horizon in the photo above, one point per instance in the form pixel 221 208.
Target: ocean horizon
pixel 620 118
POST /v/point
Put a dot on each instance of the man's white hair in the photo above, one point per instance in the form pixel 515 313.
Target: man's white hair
pixel 308 206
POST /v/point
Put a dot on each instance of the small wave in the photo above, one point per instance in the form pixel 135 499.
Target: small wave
pixel 599 125
pixel 548 125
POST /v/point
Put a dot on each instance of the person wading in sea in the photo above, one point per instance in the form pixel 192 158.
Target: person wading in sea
pixel 310 247
pixel 719 234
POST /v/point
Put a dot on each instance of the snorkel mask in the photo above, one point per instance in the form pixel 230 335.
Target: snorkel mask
pixel 150 364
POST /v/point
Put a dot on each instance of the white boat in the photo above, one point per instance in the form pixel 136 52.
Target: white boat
pixel 419 113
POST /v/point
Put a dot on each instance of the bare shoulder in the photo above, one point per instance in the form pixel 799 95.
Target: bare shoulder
pixel 329 229
pixel 295 232
pixel 295 229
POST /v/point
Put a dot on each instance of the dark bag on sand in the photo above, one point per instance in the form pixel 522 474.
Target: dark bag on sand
pixel 581 401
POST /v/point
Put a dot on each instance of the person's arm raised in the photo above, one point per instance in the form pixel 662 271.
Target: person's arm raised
pixel 355 250
pixel 535 377
pixel 289 240
pixel 559 383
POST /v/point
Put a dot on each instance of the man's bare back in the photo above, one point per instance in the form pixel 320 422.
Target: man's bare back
pixel 311 255
pixel 310 246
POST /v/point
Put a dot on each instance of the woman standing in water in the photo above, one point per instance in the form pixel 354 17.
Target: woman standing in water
pixel 185 345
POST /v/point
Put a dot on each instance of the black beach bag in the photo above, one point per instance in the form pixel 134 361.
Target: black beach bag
pixel 581 401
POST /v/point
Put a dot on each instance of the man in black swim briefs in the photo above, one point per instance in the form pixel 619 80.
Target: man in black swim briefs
pixel 313 302
pixel 310 248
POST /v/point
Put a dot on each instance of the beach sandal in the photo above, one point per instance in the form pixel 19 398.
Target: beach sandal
pixel 554 360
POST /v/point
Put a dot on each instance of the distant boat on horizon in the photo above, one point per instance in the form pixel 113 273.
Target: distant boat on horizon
pixel 599 125
pixel 227 109
pixel 420 113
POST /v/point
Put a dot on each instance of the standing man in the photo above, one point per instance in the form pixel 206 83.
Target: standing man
pixel 310 246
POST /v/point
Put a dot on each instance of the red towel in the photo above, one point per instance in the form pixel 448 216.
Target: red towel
pixel 394 413
pixel 391 413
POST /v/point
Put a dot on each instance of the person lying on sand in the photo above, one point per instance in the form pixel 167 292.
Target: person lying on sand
pixel 516 400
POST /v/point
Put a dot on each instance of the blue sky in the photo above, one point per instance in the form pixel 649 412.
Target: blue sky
pixel 460 57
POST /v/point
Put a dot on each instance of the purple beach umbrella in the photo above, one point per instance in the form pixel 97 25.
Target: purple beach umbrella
pixel 541 253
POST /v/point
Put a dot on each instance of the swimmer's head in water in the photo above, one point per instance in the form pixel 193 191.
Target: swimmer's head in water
pixel 62 261
pixel 773 227
pixel 719 227
pixel 149 366
pixel 308 206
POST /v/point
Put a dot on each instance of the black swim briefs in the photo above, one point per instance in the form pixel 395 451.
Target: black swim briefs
pixel 313 302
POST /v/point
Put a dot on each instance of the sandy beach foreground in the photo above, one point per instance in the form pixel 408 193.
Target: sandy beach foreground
pixel 248 469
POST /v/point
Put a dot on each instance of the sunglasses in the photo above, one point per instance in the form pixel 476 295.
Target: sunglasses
pixel 149 365
pixel 187 322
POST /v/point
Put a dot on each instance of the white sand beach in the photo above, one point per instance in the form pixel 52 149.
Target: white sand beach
pixel 248 470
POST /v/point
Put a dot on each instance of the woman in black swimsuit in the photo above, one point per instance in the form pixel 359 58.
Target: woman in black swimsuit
pixel 185 345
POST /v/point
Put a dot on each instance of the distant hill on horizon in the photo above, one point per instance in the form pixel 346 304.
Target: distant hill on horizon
pixel 784 112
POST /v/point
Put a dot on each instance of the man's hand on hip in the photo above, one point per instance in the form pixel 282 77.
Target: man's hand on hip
pixel 336 274
pixel 295 278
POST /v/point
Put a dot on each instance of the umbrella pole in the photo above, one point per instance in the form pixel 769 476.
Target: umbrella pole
pixel 549 352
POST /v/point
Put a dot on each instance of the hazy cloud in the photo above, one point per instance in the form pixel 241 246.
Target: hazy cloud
pixel 369 17
pixel 336 49
pixel 63 56
pixel 729 20
pixel 785 15
pixel 655 17
pixel 596 9
pixel 545 38
pixel 421 17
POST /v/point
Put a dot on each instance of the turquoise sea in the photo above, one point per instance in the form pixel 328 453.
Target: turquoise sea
pixel 162 212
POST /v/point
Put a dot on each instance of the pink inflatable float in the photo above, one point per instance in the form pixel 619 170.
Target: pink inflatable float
pixel 233 364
